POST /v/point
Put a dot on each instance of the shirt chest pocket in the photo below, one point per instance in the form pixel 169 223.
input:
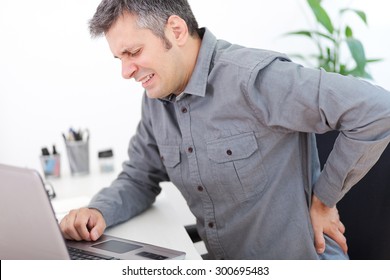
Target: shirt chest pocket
pixel 237 166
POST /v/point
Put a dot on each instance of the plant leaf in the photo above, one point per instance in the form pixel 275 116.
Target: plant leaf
pixel 360 73
pixel 324 36
pixel 321 15
pixel 367 75
pixel 343 70
pixel 360 13
pixel 372 60
pixel 356 72
pixel 301 32
pixel 348 32
pixel 310 34
pixel 357 51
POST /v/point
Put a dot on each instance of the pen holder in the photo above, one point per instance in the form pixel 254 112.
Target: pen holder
pixel 78 156
pixel 51 165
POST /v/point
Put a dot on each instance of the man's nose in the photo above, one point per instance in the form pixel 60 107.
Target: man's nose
pixel 128 70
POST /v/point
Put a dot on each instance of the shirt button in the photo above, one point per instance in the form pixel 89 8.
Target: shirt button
pixel 190 149
pixel 184 110
pixel 200 188
pixel 162 158
pixel 211 225
pixel 229 152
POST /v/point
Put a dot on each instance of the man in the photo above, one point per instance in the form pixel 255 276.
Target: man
pixel 233 128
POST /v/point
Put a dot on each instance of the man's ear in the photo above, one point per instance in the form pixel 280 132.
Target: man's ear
pixel 179 29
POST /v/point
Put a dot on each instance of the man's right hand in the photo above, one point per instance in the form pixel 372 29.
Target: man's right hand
pixel 83 224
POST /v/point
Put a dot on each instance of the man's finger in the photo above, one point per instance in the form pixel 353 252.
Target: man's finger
pixel 319 241
pixel 340 239
pixel 80 224
pixel 66 226
pixel 341 228
pixel 96 224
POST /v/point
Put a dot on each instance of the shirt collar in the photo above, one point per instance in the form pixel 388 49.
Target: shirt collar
pixel 198 81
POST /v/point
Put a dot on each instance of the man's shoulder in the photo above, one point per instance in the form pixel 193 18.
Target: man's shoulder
pixel 244 56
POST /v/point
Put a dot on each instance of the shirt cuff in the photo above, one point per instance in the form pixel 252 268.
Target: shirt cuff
pixel 329 194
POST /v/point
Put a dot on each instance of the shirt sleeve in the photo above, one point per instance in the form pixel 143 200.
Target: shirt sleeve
pixel 137 186
pixel 288 97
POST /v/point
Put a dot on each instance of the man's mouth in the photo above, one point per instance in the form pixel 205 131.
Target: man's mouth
pixel 146 79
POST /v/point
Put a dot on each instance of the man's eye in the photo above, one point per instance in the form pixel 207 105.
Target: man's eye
pixel 134 53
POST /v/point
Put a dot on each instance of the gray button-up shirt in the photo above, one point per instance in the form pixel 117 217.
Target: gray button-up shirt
pixel 239 145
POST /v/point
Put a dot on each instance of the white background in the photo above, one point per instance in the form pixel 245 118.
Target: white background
pixel 53 76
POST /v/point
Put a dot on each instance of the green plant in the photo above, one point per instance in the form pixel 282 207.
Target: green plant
pixel 330 40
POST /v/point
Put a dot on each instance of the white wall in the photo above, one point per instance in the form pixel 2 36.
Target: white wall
pixel 53 76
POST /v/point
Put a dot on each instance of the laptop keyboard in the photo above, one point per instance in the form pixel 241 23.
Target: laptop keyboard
pixel 78 254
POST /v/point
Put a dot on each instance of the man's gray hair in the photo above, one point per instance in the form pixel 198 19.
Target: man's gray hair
pixel 151 14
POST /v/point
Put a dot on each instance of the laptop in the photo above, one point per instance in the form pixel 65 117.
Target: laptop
pixel 29 228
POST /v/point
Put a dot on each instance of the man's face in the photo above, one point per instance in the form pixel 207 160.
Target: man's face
pixel 145 58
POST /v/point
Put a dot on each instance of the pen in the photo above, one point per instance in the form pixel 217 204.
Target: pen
pixel 54 150
pixel 78 135
pixel 74 135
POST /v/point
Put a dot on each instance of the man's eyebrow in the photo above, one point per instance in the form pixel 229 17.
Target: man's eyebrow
pixel 122 53
pixel 125 51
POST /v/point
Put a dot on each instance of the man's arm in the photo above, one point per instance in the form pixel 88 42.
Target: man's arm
pixel 134 190
pixel 294 98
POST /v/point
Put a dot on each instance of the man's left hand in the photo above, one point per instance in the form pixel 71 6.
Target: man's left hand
pixel 326 220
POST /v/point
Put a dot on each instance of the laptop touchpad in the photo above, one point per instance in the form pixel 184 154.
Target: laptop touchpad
pixel 116 246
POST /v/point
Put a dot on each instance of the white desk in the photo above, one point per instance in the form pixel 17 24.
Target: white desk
pixel 162 224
